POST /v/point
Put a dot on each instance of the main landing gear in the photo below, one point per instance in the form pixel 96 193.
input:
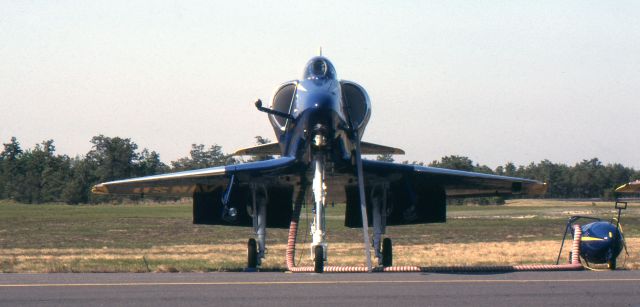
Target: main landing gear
pixel 256 249
pixel 252 254
pixel 387 253
pixel 384 251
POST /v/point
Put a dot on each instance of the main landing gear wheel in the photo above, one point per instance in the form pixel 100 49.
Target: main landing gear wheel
pixel 318 259
pixel 387 253
pixel 252 254
pixel 612 264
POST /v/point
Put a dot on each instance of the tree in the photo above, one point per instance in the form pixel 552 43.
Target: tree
pixel 114 158
pixel 385 157
pixel 548 172
pixel 78 188
pixel 35 163
pixel 420 163
pixel 33 176
pixel 40 175
pixel 12 169
pixel 588 178
pixel 482 169
pixel 149 164
pixel 261 141
pixel 55 176
pixel 201 158
pixel 454 162
pixel 510 169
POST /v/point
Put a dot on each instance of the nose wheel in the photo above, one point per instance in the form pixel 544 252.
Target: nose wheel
pixel 318 259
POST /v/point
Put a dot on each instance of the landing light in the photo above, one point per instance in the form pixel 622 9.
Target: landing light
pixel 233 212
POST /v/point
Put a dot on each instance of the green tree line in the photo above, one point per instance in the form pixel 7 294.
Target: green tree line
pixel 39 174
pixel 586 179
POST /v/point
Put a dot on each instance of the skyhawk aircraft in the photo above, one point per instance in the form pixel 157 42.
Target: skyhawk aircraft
pixel 319 121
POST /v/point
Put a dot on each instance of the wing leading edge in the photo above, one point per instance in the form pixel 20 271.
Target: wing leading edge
pixel 187 182
pixel 455 183
pixel 460 183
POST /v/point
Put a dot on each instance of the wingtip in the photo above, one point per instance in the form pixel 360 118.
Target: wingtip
pixel 537 189
pixel 545 187
pixel 631 187
pixel 541 189
pixel 99 189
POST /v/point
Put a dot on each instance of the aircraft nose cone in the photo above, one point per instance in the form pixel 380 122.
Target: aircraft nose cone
pixel 322 114
pixel 323 102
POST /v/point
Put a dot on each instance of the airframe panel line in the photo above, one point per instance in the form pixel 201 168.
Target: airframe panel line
pixel 276 283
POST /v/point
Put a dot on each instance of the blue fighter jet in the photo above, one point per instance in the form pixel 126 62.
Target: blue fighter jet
pixel 319 121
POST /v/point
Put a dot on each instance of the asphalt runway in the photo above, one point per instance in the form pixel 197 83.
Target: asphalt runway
pixel 585 288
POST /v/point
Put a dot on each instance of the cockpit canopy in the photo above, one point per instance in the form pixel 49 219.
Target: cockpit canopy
pixel 319 68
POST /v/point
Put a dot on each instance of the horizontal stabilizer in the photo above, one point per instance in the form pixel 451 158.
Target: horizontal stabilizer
pixel 375 149
pixel 274 149
pixel 264 149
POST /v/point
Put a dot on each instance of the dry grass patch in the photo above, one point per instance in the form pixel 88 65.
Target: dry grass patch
pixel 232 257
pixel 161 238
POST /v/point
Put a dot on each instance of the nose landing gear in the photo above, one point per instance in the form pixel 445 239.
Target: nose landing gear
pixel 318 228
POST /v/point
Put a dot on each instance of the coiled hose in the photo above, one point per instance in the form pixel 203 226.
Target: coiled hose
pixel 291 247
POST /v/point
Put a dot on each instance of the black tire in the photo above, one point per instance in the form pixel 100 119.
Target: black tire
pixel 387 252
pixel 570 257
pixel 252 254
pixel 612 264
pixel 318 259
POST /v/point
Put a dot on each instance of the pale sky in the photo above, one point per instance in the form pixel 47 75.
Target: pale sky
pixel 496 81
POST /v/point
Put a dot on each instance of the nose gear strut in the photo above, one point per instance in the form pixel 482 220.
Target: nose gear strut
pixel 318 227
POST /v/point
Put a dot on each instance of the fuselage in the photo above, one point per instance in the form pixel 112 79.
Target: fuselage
pixel 324 116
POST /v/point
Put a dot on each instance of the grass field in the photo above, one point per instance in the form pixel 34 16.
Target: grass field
pixel 160 237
